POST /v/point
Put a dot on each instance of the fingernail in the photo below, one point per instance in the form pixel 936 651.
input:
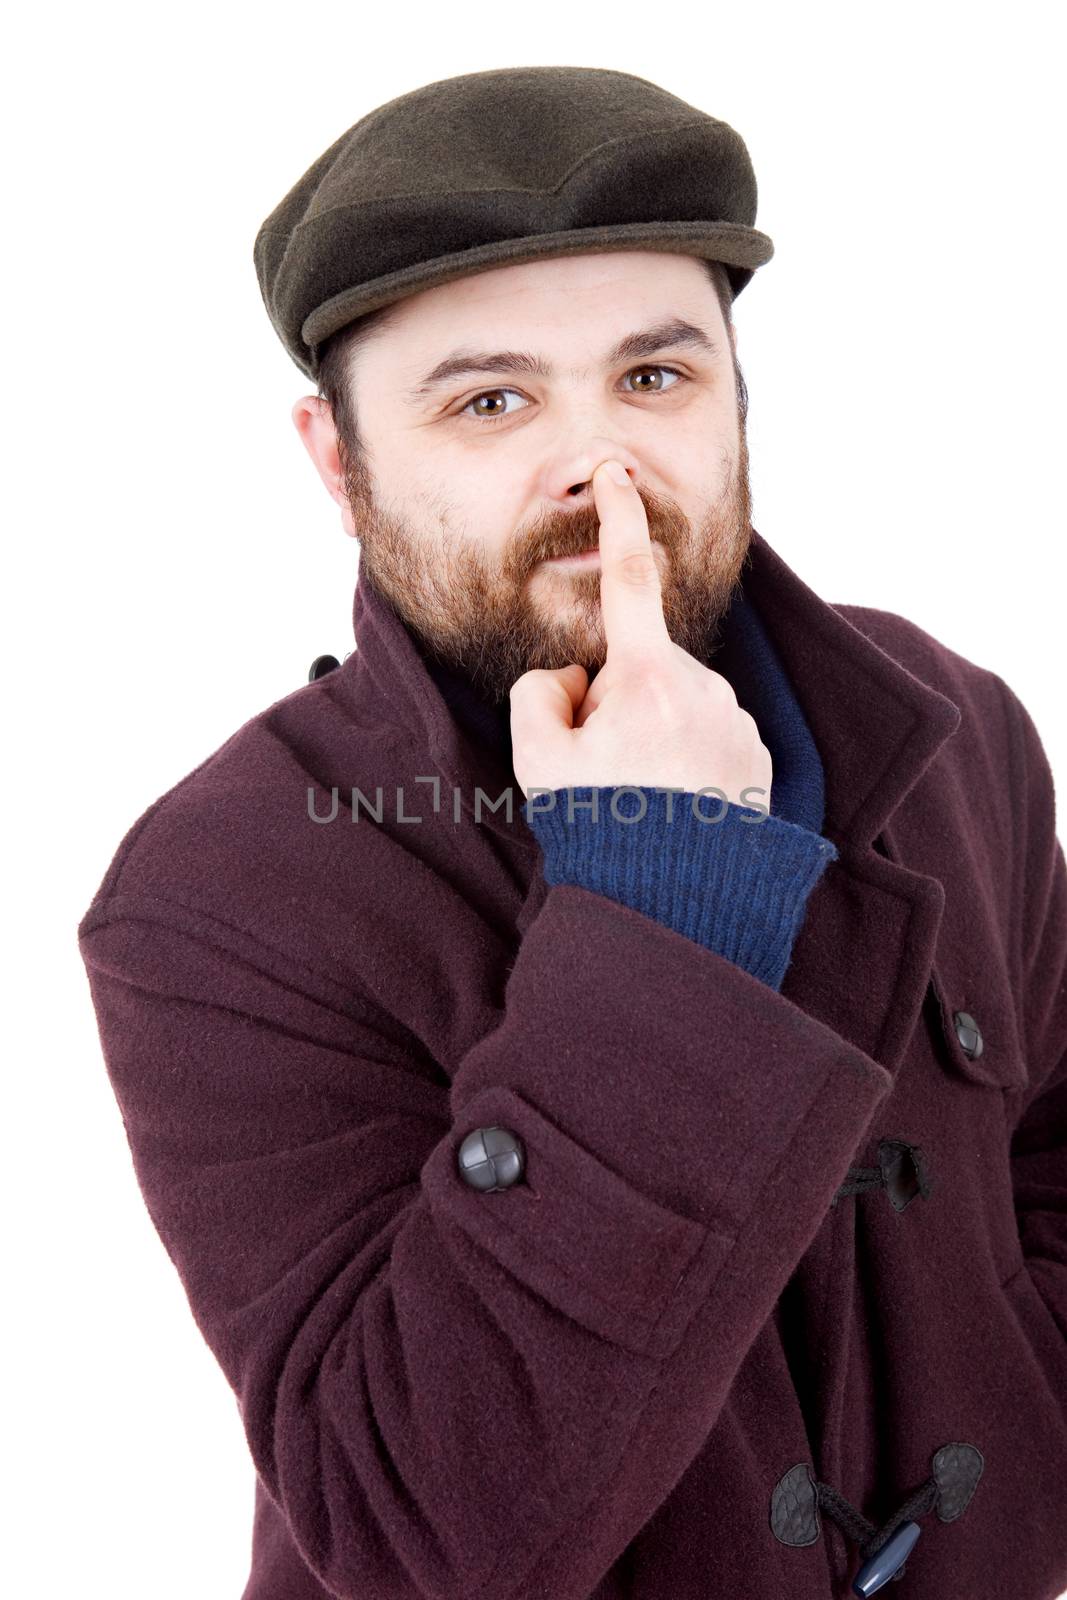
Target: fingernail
pixel 616 472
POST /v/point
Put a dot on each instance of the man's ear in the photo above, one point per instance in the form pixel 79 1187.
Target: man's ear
pixel 314 423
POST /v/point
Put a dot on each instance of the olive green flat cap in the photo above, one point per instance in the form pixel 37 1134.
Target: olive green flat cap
pixel 492 168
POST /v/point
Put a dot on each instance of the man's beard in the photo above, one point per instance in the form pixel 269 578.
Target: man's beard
pixel 478 616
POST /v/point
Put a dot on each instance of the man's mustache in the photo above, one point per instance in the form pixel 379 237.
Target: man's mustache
pixel 575 532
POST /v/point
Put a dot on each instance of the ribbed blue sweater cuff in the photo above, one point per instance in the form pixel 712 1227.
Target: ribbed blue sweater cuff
pixel 739 887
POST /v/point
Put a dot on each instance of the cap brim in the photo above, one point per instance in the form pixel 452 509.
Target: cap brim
pixel 732 243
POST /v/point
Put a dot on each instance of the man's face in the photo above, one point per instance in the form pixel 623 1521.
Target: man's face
pixel 459 516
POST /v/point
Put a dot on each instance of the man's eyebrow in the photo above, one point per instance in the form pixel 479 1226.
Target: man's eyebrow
pixel 671 335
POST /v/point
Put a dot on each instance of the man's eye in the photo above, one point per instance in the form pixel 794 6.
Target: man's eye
pixel 500 416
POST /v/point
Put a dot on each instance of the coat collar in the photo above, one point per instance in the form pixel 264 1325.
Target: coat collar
pixel 876 725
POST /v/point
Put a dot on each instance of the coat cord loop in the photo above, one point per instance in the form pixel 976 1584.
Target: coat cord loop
pixel 863 1533
pixel 859 1179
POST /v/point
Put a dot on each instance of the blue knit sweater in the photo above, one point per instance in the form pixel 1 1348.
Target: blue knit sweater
pixel 736 881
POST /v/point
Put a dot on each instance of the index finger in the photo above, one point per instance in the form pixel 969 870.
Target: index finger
pixel 631 594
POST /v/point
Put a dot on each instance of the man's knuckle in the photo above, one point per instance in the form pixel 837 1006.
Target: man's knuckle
pixel 637 567
pixel 650 666
pixel 522 686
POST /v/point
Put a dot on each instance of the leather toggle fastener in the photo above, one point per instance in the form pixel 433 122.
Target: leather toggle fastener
pixel 798 1498
pixel 903 1171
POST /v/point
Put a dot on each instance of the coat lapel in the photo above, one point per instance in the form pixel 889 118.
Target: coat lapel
pixel 864 957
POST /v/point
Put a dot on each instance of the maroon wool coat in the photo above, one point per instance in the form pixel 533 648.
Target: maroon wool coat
pixel 591 1381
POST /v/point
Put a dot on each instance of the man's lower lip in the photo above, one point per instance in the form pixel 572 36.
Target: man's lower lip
pixel 587 558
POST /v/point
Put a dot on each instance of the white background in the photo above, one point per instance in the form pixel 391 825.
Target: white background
pixel 174 562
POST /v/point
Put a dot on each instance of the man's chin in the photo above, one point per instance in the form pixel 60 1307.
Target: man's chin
pixel 559 646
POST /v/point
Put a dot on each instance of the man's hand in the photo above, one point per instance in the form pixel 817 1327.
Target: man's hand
pixel 654 716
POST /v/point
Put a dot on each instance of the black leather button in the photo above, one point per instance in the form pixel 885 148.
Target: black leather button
pixel 491 1158
pixel 321 666
pixel 968 1033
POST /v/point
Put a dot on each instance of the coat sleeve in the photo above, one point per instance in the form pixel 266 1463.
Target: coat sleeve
pixel 451 1393
pixel 1039 1135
